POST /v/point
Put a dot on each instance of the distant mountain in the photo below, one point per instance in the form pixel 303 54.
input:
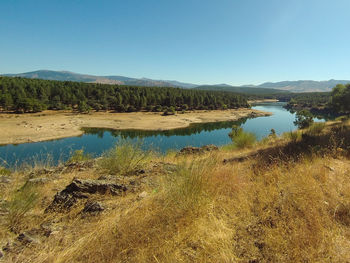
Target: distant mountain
pixel 304 85
pixel 71 76
pixel 268 87
pixel 241 89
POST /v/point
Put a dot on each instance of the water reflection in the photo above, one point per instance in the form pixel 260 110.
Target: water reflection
pixel 194 128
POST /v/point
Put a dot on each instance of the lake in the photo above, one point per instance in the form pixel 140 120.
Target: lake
pixel 96 141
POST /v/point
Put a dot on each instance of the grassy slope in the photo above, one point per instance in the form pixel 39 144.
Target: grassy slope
pixel 288 203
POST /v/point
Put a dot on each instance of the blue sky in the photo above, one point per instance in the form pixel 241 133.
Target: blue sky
pixel 198 41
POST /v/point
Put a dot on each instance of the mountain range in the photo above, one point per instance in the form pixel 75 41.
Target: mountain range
pixel 120 80
pixel 268 87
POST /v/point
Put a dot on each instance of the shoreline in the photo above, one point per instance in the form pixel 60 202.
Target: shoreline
pixel 52 125
pixel 262 101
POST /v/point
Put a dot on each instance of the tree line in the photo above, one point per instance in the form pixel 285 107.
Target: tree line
pixel 23 95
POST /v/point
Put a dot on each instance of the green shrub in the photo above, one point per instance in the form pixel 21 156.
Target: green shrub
pixel 303 119
pixel 273 134
pixel 242 139
pixel 169 111
pixel 79 156
pixel 124 158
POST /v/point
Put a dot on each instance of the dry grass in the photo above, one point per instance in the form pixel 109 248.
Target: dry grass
pixel 292 210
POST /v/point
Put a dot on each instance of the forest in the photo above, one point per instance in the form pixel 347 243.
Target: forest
pixel 22 95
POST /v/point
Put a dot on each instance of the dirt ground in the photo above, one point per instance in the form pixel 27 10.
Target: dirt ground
pixel 49 125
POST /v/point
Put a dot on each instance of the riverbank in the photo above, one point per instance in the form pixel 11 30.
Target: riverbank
pixel 203 205
pixel 262 101
pixel 50 125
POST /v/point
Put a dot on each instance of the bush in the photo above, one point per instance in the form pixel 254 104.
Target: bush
pixel 124 158
pixel 131 109
pixel 303 119
pixel 186 189
pixel 293 136
pixel 169 111
pixel 343 118
pixel 4 171
pixel 316 128
pixel 22 201
pixel 83 107
pixel 242 139
pixel 79 156
pixel 273 134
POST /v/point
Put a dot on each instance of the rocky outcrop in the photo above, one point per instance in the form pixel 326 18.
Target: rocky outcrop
pixel 93 207
pixel 198 150
pixel 81 189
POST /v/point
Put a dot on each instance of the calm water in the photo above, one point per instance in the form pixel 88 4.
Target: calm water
pixel 96 141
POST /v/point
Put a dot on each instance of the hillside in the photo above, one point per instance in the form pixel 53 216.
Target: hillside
pixel 284 200
pixel 71 76
pixel 242 89
pixel 304 85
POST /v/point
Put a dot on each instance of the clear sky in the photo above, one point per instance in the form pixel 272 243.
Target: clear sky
pixel 198 41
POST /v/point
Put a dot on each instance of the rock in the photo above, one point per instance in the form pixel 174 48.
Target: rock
pixel 170 167
pixel 329 168
pixel 198 150
pixel 26 239
pixel 22 240
pixel 81 166
pixel 108 177
pixel 93 207
pixel 79 189
pixel 3 207
pixel 94 187
pixel 42 180
pixel 5 179
pixel 143 195
pixel 43 171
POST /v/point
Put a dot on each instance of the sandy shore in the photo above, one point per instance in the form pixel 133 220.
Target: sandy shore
pixel 262 101
pixel 49 125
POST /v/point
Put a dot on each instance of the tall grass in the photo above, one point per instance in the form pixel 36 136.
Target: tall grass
pixel 293 136
pixel 292 213
pixel 20 203
pixel 124 158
